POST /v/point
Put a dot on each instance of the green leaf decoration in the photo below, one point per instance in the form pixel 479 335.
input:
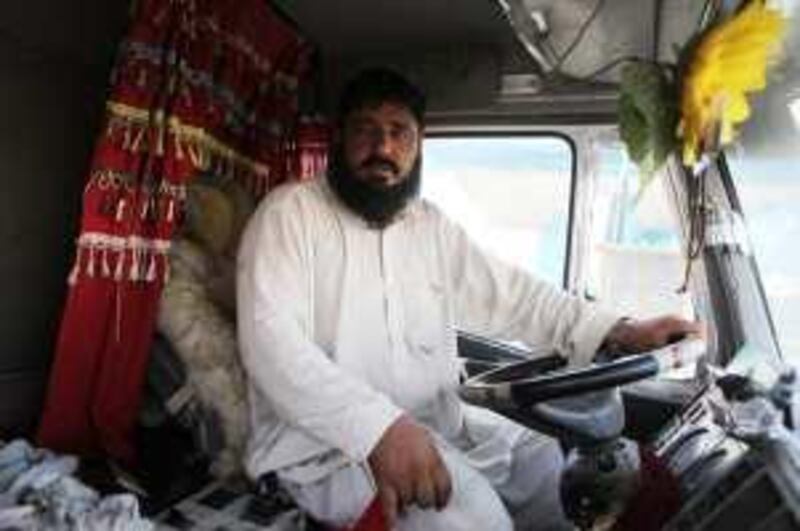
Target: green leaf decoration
pixel 648 116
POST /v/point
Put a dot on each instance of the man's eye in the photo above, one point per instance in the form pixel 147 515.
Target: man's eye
pixel 403 134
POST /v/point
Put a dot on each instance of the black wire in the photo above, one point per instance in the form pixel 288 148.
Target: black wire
pixel 658 7
pixel 697 199
pixel 608 66
pixel 580 35
pixel 708 12
pixel 696 191
pixel 550 48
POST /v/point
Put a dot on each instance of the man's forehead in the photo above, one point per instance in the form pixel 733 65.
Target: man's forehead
pixel 385 110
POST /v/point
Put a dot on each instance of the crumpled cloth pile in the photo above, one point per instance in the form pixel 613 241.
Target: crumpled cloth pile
pixel 38 492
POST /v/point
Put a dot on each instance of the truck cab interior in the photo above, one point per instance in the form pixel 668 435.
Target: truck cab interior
pixel 523 147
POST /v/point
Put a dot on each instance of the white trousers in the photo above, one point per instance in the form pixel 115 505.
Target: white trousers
pixel 503 476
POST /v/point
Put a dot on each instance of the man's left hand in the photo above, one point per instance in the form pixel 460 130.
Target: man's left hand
pixel 632 336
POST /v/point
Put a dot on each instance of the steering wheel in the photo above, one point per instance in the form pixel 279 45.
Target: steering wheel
pixel 582 403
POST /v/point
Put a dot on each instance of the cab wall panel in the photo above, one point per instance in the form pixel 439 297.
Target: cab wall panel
pixel 53 76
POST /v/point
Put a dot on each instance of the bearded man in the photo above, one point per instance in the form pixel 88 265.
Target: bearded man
pixel 350 292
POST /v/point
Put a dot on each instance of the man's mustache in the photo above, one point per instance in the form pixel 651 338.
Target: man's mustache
pixel 380 163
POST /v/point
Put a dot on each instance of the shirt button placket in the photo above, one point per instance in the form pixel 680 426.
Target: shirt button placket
pixel 390 292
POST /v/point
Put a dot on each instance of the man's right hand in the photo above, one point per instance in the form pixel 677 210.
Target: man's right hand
pixel 408 469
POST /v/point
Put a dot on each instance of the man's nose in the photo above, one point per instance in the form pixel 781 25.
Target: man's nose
pixel 382 141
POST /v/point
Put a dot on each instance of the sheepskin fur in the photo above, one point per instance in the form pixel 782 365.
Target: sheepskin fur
pixel 203 335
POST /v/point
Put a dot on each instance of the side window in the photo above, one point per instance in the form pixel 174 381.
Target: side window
pixel 511 194
pixel 635 259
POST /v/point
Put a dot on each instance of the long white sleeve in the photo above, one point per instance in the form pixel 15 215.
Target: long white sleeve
pixel 299 380
pixel 495 299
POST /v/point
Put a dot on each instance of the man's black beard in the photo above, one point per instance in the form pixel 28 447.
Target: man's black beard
pixel 377 204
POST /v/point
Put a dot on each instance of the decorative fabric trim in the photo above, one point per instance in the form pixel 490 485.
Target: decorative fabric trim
pixel 163 200
pixel 131 258
pixel 194 143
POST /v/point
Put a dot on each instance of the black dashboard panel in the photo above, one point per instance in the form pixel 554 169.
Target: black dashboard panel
pixel 725 483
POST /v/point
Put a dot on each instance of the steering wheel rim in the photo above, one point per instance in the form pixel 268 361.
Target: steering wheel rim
pixel 495 389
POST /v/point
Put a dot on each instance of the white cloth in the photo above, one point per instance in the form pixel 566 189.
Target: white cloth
pixel 38 491
pixel 343 327
pixel 499 483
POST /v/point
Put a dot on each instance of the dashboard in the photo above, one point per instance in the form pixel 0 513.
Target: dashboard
pixel 727 483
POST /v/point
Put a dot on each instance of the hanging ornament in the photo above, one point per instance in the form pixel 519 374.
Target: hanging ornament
pixel 728 62
pixel 648 115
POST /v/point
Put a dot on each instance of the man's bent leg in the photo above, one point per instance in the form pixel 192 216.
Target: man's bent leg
pixel 337 500
pixel 340 499
pixel 531 491
pixel 524 467
pixel 474 504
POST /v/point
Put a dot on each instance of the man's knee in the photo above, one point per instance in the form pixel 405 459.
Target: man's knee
pixel 532 490
pixel 340 499
pixel 337 500
pixel 458 516
pixel 474 504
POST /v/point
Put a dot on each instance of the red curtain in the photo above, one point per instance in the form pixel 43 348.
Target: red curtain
pixel 199 86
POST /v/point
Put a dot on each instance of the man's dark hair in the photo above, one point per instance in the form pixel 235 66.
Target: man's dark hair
pixel 374 86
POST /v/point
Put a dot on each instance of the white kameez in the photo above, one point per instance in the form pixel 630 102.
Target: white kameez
pixel 343 327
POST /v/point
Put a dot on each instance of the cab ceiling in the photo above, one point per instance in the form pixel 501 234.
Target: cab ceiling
pixel 347 27
pixel 354 28
pixel 86 30
pixel 464 52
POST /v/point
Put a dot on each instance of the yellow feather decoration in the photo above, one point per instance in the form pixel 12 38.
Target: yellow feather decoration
pixel 729 61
